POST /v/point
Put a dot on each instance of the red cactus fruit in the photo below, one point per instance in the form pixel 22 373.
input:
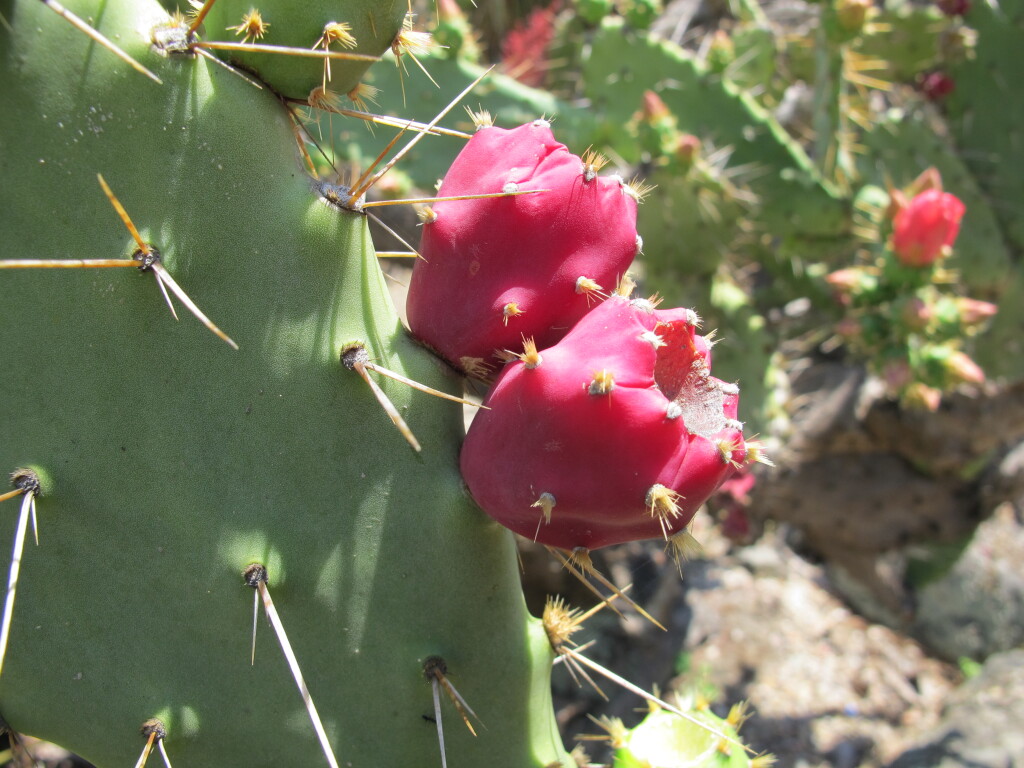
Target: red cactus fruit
pixel 617 433
pixel 926 227
pixel 497 269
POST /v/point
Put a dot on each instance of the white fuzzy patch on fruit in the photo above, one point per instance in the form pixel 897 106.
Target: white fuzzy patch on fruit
pixel 653 339
pixel 702 401
pixel 698 399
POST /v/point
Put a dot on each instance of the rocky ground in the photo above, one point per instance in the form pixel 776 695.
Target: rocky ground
pixel 827 687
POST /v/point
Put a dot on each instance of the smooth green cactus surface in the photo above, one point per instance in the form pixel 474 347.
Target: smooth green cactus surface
pixel 663 740
pixel 355 27
pixel 986 114
pixel 177 461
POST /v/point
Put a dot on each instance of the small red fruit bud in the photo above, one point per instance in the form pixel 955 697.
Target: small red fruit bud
pixel 916 313
pixel 974 312
pixel 936 86
pixel 721 52
pixel 654 108
pixel 449 9
pixel 850 282
pixel 963 370
pixel 926 227
pixel 843 280
pixel 921 396
pixel 953 7
pixel 688 148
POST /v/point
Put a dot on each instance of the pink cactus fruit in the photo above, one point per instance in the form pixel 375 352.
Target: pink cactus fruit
pixel 926 228
pixel 617 433
pixel 497 269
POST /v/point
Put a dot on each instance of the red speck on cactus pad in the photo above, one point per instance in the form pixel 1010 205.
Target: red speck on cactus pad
pixel 926 227
pixel 527 251
pixel 954 7
pixel 619 434
pixel 937 85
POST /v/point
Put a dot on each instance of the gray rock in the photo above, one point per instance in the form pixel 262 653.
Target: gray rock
pixel 982 723
pixel 826 687
pixel 977 608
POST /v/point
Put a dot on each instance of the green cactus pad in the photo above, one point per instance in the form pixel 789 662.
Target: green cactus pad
pixel 622 66
pixel 372 24
pixel 665 740
pixel 178 461
pixel 986 115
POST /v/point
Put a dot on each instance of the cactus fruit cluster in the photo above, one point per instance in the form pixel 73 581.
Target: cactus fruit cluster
pixel 608 427
pixel 898 310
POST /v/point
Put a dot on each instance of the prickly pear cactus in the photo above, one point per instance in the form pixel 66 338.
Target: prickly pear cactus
pixel 663 740
pixel 171 462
